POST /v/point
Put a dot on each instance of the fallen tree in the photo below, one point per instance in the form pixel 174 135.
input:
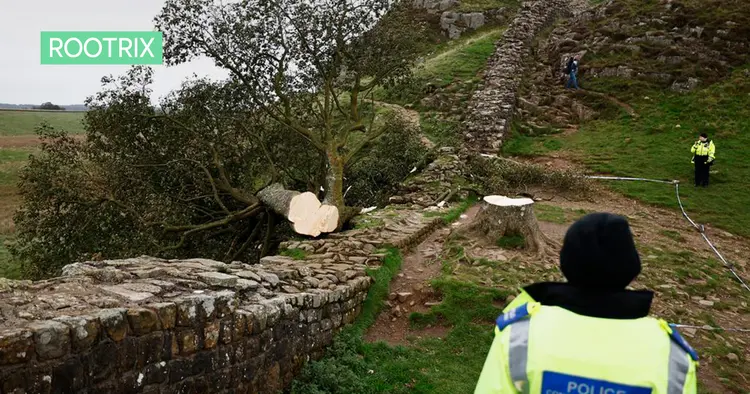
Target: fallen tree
pixel 199 175
pixel 303 210
pixel 310 67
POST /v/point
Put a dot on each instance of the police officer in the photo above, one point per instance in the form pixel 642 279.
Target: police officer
pixel 703 152
pixel 589 335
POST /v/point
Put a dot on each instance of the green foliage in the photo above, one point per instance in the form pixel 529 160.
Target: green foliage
pixel 373 177
pixel 21 122
pixel 343 370
pixel 298 64
pixel 440 131
pixel 507 176
pixel 368 222
pixel 511 242
pixel 455 213
pixel 9 267
pixel 147 181
pixel 296 254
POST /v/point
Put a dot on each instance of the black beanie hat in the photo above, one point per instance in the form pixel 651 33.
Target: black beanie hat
pixel 599 253
pixel 704 135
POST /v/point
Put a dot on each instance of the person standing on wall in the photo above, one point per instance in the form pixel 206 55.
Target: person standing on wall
pixel 590 334
pixel 572 70
pixel 703 157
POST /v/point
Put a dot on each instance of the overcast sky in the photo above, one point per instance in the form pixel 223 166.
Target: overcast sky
pixel 23 80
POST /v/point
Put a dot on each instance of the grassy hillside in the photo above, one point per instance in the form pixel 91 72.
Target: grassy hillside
pixel 657 145
pixel 17 123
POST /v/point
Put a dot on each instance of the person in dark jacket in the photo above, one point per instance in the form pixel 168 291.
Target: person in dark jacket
pixel 589 331
pixel 572 71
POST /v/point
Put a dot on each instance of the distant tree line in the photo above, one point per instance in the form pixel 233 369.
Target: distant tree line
pixel 50 106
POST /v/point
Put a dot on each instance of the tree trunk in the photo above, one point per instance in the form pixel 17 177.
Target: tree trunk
pixel 335 179
pixel 502 216
pixel 334 193
pixel 304 210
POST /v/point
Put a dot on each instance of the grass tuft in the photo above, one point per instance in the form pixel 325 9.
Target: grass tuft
pixel 296 254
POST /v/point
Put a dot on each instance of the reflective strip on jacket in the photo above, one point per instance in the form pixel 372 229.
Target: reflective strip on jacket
pixel 557 351
pixel 704 149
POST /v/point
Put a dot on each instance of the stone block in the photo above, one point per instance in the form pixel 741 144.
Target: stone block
pixel 143 321
pixel 84 330
pixel 257 319
pixel 226 330
pixel 16 346
pixel 198 384
pixel 221 380
pixel 155 373
pixel 270 278
pixel 247 284
pixel 240 324
pixel 51 339
pixel 151 349
pixel 225 303
pixel 167 313
pixel 114 323
pixel 248 275
pixel 179 369
pixel 203 363
pixel 69 376
pixel 127 354
pixel 127 294
pixel 188 341
pixel 218 279
pixel 38 379
pixel 211 335
pixel 13 381
pixel 194 309
pixel 102 361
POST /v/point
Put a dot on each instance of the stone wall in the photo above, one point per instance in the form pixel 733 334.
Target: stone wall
pixel 147 325
pixel 491 108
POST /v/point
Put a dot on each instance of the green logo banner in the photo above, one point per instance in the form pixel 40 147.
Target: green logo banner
pixel 101 47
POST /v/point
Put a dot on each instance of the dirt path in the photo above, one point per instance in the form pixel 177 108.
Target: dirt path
pixel 410 291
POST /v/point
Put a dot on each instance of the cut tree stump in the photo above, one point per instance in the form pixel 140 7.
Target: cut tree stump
pixel 501 216
pixel 307 215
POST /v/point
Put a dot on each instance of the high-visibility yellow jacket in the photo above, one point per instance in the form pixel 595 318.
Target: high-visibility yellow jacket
pixel 550 350
pixel 704 149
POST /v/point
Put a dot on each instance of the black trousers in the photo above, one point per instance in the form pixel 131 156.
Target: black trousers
pixel 701 171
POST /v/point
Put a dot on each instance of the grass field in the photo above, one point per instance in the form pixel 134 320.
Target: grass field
pixel 450 63
pixel 657 145
pixel 17 142
pixel 23 122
